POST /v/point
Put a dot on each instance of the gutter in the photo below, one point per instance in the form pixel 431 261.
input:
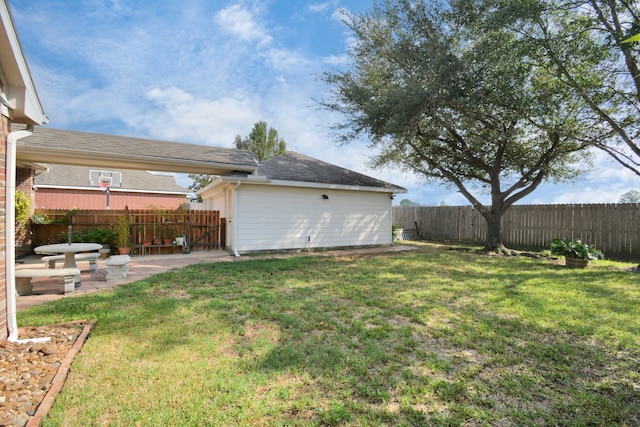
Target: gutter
pixel 252 179
pixel 10 227
pixel 235 222
pixel 112 189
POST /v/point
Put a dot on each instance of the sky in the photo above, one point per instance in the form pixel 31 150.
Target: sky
pixel 204 71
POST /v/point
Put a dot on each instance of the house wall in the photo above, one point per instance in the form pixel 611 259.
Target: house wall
pixel 279 218
pixel 214 201
pixel 4 131
pixel 57 198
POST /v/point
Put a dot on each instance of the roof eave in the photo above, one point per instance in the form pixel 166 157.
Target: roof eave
pixel 19 90
pixel 121 190
pixel 319 185
pixel 160 164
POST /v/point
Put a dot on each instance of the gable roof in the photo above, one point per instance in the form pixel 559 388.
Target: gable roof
pixel 69 147
pixel 98 151
pixel 77 177
pixel 295 167
pixel 20 94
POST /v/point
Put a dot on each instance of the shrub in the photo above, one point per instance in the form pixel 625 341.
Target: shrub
pixel 575 249
pixel 23 207
pixel 123 231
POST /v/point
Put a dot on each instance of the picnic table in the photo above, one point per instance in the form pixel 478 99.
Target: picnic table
pixel 69 250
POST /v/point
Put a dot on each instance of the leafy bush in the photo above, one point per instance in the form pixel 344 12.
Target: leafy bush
pixel 103 236
pixel 41 219
pixel 23 207
pixel 575 249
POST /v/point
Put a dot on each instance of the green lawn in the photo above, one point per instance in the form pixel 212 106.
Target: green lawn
pixel 429 337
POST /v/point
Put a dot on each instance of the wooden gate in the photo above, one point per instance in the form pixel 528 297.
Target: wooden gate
pixel 205 231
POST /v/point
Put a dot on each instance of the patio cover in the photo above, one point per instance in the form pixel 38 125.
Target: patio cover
pixel 68 147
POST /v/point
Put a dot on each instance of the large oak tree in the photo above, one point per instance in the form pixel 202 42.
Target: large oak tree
pixel 443 90
pixel 584 44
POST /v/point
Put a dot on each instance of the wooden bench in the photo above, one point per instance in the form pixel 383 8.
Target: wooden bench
pixel 67 277
pixel 117 267
pixel 50 261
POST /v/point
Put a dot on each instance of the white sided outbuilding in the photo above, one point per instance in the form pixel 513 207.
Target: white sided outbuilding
pixel 295 202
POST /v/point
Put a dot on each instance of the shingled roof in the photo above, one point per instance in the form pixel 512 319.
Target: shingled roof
pixel 98 151
pixel 77 177
pixel 296 167
pixel 57 146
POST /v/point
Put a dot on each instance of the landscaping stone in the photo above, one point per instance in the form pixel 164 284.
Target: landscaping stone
pixel 27 370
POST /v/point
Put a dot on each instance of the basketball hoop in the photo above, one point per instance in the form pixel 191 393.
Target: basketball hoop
pixel 104 184
pixel 104 180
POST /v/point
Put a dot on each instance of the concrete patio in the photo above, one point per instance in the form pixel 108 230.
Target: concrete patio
pixel 48 289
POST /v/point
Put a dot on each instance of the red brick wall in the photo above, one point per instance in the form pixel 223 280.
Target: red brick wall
pixel 53 198
pixel 4 132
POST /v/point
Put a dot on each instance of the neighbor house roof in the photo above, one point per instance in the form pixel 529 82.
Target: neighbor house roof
pixel 77 177
pixel 57 146
pixel 295 167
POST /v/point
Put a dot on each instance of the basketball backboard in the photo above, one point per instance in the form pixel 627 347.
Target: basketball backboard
pixel 99 178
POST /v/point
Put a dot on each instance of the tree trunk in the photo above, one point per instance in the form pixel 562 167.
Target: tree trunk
pixel 494 231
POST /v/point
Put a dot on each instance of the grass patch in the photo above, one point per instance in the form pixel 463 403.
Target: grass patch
pixel 429 337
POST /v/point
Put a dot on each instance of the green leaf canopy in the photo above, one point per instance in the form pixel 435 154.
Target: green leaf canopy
pixel 449 90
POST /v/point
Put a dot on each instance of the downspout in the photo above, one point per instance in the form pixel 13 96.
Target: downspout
pixel 235 222
pixel 9 226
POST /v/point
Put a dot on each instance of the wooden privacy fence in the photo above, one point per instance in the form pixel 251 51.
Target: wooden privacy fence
pixel 204 230
pixel 613 228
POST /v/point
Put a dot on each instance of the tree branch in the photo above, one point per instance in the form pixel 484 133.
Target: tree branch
pixel 582 93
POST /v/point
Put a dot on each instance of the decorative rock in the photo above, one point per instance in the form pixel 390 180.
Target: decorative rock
pixel 49 349
pixel 27 370
pixel 51 359
pixel 13 385
pixel 20 420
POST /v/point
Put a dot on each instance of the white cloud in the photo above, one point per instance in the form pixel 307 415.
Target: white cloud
pixel 182 117
pixel 240 22
pixel 606 170
pixel 322 7
pixel 337 60
pixel 577 194
pixel 286 60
